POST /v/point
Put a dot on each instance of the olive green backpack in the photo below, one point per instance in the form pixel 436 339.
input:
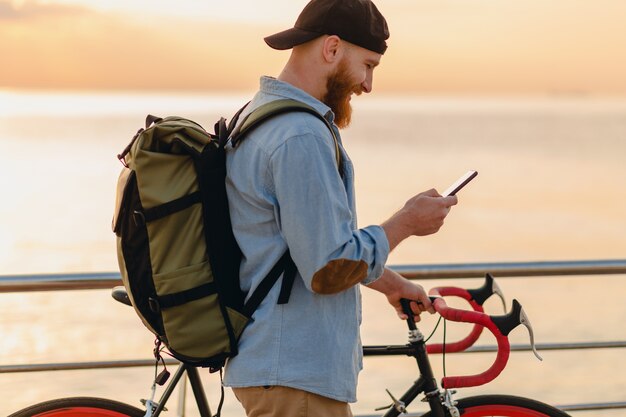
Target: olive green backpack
pixel 178 258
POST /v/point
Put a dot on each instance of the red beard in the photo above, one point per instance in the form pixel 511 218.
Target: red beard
pixel 339 87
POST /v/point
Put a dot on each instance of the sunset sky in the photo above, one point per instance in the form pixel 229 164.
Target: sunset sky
pixel 436 46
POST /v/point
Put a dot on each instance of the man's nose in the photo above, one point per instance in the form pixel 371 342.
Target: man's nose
pixel 366 85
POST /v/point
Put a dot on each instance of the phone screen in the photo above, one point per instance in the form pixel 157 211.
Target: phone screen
pixel 460 183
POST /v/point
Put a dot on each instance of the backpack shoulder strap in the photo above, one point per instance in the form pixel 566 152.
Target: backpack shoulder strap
pixel 274 108
pixel 285 266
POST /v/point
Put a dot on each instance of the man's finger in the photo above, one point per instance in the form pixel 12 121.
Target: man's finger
pixel 431 193
pixel 424 302
pixel 450 201
pixel 417 306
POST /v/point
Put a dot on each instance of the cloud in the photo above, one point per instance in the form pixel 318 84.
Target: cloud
pixel 542 49
pixel 26 10
pixel 108 51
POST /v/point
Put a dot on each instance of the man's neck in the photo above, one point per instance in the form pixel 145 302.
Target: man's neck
pixel 304 79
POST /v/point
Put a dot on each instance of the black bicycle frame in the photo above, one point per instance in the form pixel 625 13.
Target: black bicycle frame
pixel 196 386
pixel 416 348
pixel 426 382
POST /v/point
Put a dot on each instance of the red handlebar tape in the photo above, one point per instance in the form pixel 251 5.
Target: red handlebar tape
pixel 481 319
pixel 470 339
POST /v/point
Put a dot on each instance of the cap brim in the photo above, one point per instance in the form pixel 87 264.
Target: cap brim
pixel 289 38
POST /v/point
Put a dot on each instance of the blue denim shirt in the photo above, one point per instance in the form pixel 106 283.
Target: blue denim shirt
pixel 285 191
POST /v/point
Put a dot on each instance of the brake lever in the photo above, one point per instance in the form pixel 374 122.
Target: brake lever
pixel 490 287
pixel 513 319
pixel 498 291
pixel 523 318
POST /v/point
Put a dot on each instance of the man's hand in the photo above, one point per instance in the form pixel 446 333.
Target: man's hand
pixel 395 287
pixel 422 215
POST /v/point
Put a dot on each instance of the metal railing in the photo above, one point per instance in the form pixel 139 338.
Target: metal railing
pixel 82 281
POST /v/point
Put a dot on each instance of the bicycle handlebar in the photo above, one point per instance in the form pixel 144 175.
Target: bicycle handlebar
pixel 499 326
pixel 476 298
pixel 472 337
pixel 480 319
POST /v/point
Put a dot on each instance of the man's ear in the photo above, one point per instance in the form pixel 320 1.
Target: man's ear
pixel 332 48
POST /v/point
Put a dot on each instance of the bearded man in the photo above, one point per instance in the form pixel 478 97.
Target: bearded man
pixel 286 192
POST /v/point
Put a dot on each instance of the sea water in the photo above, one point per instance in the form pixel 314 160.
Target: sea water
pixel 550 187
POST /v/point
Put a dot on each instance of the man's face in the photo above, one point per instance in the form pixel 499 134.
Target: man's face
pixel 353 75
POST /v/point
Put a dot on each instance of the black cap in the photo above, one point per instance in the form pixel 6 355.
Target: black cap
pixel 356 21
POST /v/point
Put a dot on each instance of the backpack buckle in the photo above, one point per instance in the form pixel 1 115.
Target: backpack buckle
pixel 153 303
pixel 139 218
pixel 222 132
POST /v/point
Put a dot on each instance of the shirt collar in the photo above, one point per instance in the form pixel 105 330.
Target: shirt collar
pixel 275 87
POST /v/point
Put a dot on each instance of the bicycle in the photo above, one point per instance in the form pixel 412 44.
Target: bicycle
pixel 441 400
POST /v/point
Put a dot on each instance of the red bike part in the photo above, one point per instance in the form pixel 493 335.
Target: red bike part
pixel 80 412
pixel 501 410
pixel 470 339
pixel 484 320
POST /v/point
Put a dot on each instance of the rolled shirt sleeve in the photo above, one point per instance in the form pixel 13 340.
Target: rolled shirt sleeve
pixel 316 220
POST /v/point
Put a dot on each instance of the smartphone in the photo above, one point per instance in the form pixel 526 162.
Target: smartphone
pixel 460 183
